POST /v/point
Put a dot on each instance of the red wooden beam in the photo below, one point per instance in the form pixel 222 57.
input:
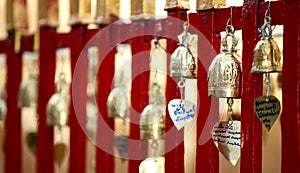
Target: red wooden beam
pixel 139 93
pixel 45 149
pixel 290 117
pixel 12 141
pixel 251 127
pixel 222 15
pixel 174 159
pixel 104 159
pixel 207 158
pixel 77 136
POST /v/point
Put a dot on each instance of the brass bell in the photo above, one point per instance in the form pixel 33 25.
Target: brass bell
pixel 57 109
pixel 152 121
pixel 267 54
pixel 117 103
pixel 183 63
pixel 27 96
pixel 224 73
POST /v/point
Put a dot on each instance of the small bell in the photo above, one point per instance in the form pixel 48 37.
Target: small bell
pixel 58 105
pixel 183 63
pixel 152 122
pixel 27 96
pixel 267 54
pixel 224 73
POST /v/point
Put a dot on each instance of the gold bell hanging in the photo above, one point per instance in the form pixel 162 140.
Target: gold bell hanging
pixel 152 121
pixel 224 73
pixel 267 54
pixel 183 63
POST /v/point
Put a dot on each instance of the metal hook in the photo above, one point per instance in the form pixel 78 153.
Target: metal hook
pixel 230 19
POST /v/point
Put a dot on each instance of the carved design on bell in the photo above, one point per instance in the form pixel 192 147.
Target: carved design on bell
pixel 183 63
pixel 224 73
pixel 267 54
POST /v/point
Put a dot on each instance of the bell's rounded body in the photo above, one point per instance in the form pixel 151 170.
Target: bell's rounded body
pixel 267 56
pixel 28 93
pixel 58 110
pixel 117 103
pixel 224 76
pixel 152 122
pixel 183 64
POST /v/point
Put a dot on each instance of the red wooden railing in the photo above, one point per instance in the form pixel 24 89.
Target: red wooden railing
pixel 210 23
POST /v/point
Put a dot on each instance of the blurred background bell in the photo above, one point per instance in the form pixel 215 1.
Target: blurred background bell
pixel 152 122
pixel 28 95
pixel 267 54
pixel 224 73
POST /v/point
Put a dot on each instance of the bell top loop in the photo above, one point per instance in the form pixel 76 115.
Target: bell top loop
pixel 229 33
pixel 266 30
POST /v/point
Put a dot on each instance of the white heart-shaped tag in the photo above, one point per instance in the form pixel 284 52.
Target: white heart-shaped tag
pixel 267 110
pixel 181 112
pixel 227 138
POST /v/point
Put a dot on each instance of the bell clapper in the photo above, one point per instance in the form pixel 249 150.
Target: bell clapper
pixel 228 116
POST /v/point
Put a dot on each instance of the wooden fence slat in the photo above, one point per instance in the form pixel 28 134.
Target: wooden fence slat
pixel 290 117
pixel 174 159
pixel 139 93
pixel 207 157
pixel 105 161
pixel 45 149
pixel 251 127
pixel 12 143
pixel 77 136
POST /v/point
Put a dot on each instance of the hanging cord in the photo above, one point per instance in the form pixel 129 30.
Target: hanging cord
pixel 267 81
pixel 230 19
pixel 268 11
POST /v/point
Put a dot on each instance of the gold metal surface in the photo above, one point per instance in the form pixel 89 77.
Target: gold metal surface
pixel 225 71
pixel 267 54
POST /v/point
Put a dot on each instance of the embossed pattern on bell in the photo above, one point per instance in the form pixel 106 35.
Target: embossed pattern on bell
pixel 267 57
pixel 267 54
pixel 225 72
pixel 183 63
pixel 224 76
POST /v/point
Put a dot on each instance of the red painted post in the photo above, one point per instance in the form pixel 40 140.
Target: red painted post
pixel 207 158
pixel 45 149
pixel 251 127
pixel 77 136
pixel 290 117
pixel 104 160
pixel 139 93
pixel 12 140
pixel 174 159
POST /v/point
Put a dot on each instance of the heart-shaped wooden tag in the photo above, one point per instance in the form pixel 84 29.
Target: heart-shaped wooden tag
pixel 227 138
pixel 30 140
pixel 267 110
pixel 60 151
pixel 181 112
